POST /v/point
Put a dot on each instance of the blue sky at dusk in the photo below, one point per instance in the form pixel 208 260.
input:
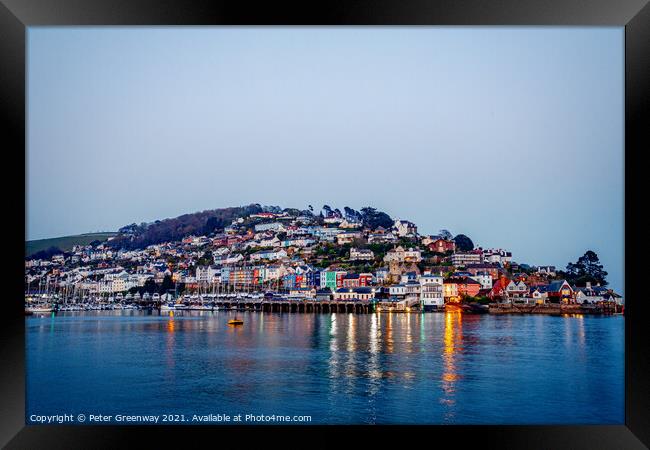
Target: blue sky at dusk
pixel 511 135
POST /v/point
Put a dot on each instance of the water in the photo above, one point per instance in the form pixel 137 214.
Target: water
pixel 337 368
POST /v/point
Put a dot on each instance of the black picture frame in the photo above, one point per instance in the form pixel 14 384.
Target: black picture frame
pixel 634 15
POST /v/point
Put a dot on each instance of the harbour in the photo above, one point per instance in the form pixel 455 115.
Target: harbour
pixel 277 302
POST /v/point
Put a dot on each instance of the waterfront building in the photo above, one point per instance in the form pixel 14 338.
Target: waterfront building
pixel 365 279
pixel 465 286
pixel 431 297
pixel 358 293
pixel 397 290
pixel 590 294
pixel 517 289
pixel 332 279
pixel 351 280
pixel 324 294
pixel 302 292
pixel 538 294
pixel 450 291
pixel 429 278
pixel 560 291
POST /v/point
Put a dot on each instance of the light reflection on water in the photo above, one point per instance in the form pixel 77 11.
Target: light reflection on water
pixel 340 368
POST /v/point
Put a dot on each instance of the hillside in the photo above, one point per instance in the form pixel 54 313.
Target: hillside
pixel 65 243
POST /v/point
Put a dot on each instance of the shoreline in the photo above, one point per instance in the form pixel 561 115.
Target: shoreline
pixel 351 308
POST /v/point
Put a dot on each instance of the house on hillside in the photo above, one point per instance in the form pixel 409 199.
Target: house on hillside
pixel 404 228
pixel 441 246
pixel 361 254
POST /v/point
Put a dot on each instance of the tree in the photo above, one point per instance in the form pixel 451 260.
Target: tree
pixel 46 254
pixel 294 212
pixel 463 243
pixel 445 234
pixel 374 219
pixel 351 214
pixel 150 286
pixel 167 285
pixel 586 269
pixel 206 260
pixel 212 224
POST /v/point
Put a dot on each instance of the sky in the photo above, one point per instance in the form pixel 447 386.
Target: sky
pixel 513 136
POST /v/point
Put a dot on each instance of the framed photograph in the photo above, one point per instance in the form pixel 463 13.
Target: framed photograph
pixel 365 217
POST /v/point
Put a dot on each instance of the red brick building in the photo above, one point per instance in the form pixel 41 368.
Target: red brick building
pixel 442 246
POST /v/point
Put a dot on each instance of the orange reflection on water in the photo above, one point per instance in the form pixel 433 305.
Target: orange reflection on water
pixel 452 343
pixel 351 337
pixel 389 333
pixel 170 356
pixel 170 322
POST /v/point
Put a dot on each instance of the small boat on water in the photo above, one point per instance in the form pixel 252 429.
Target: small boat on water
pixel 171 306
pixel 35 309
pixel 235 321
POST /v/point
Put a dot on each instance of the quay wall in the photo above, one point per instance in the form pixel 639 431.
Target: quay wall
pixel 554 309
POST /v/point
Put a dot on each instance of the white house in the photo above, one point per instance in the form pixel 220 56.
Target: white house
pixel 274 226
pixel 400 255
pixel 404 228
pixel 463 258
pixel 546 270
pixel 497 255
pixel 431 297
pixel 348 237
pixel 206 274
pixel 517 289
pixel 271 255
pixel 361 254
pixel 485 279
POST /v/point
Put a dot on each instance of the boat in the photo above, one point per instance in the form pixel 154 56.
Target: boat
pixel 35 309
pixel 235 321
pixel 171 306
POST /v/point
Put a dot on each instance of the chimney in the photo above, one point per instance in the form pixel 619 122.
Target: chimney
pixel 588 284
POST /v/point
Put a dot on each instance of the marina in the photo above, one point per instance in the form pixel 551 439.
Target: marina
pixel 277 302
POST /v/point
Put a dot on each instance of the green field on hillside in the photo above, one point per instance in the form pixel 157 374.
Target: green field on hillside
pixel 65 242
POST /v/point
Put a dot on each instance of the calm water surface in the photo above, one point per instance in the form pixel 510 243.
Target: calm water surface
pixel 437 368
